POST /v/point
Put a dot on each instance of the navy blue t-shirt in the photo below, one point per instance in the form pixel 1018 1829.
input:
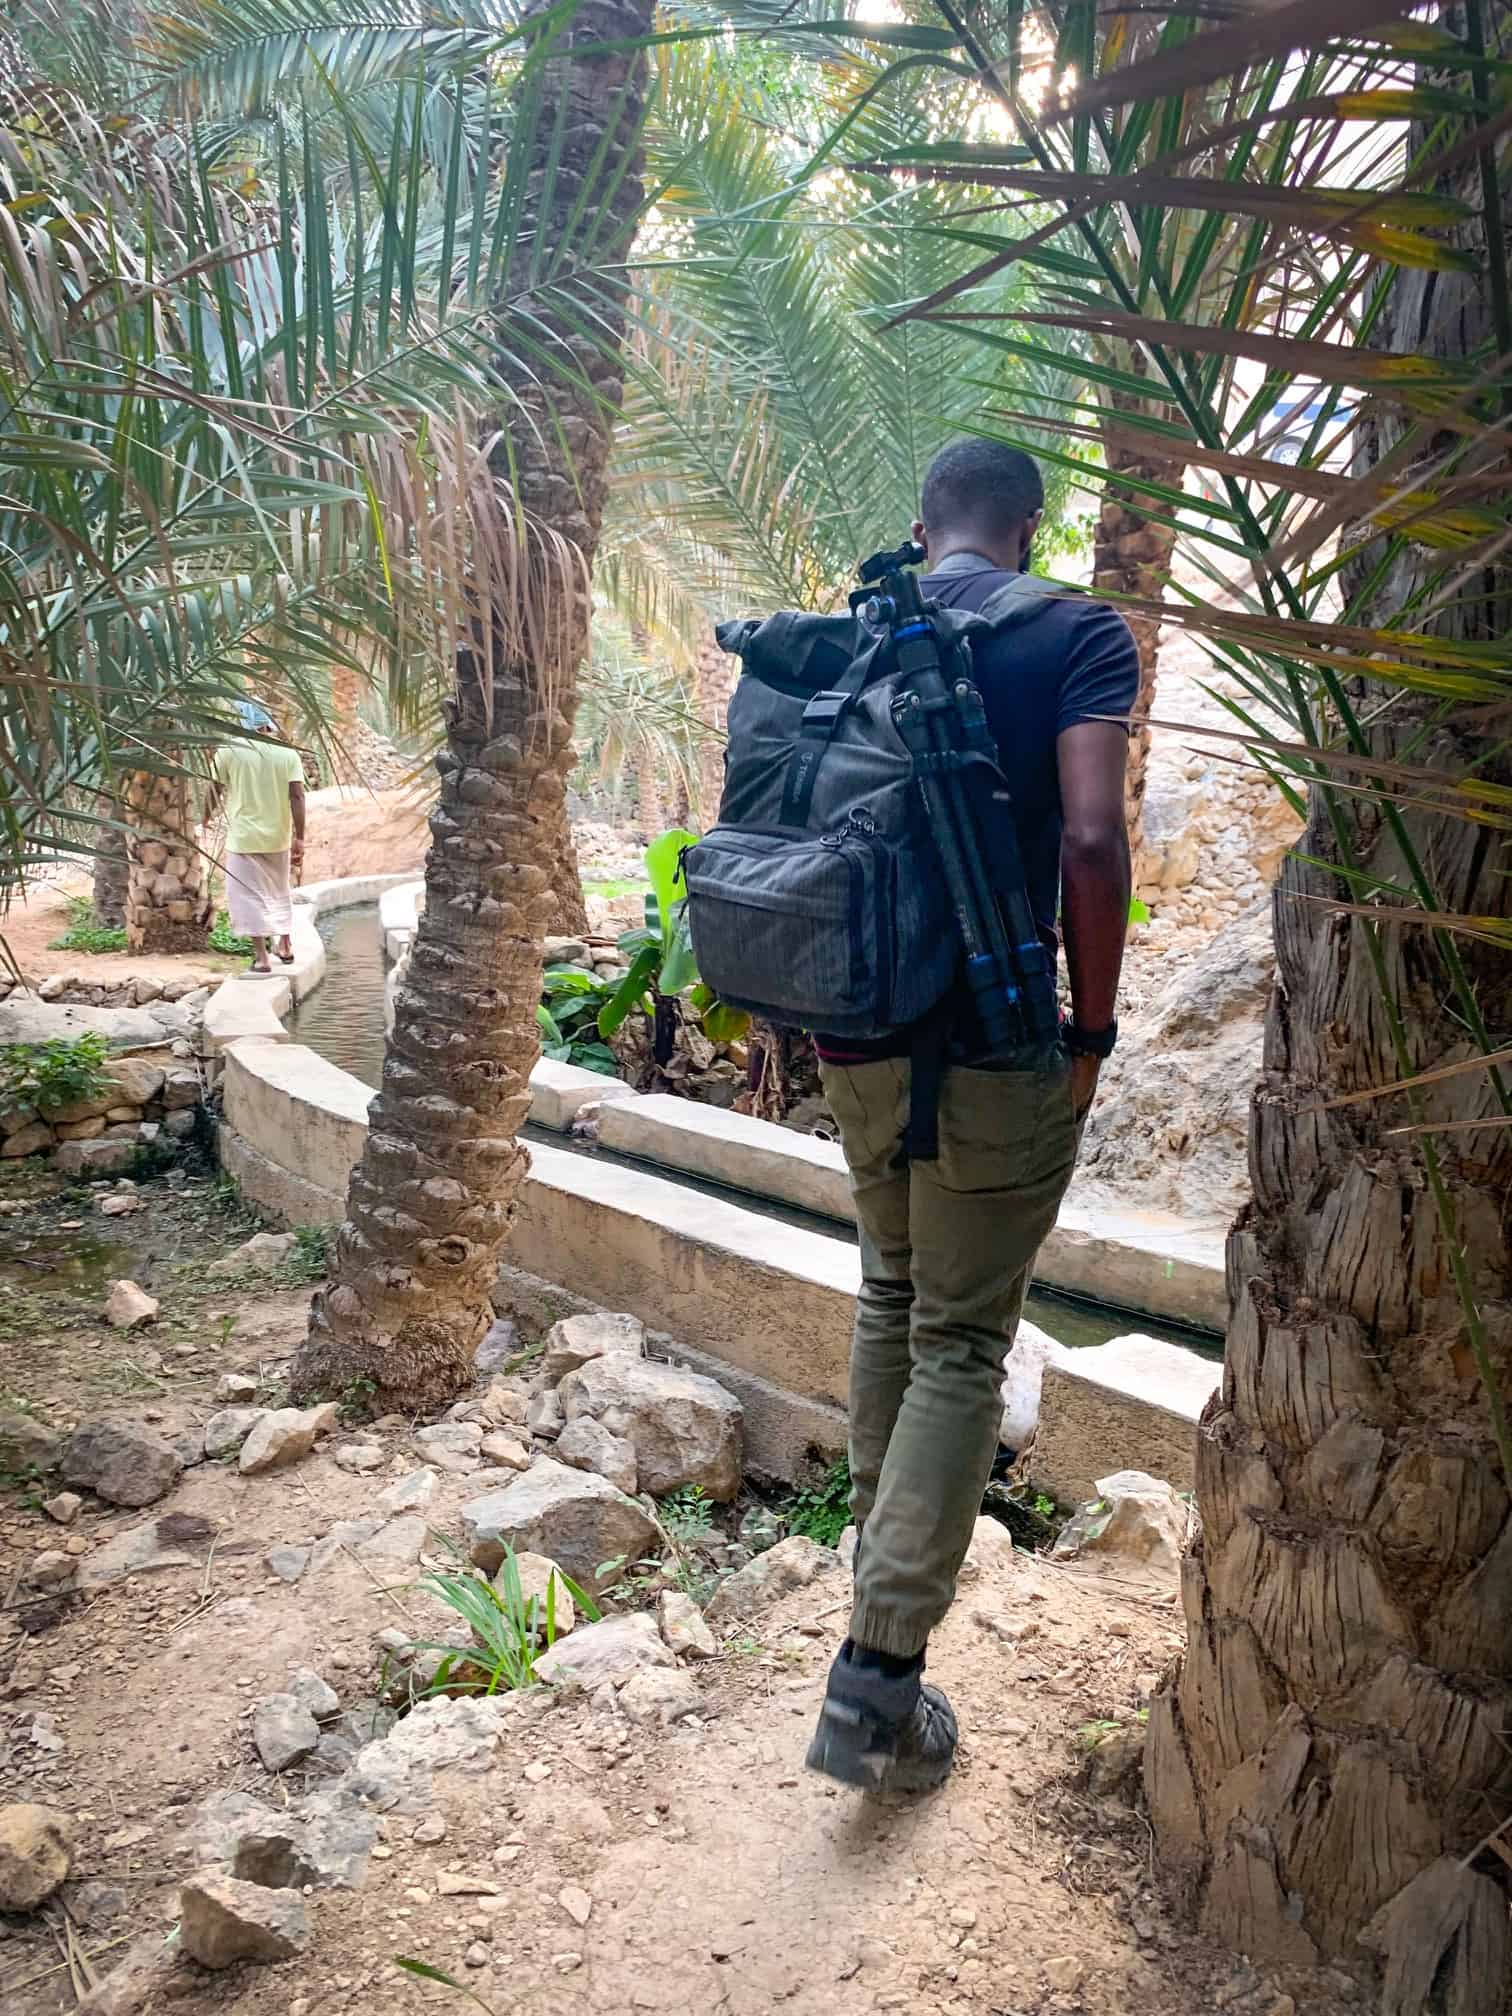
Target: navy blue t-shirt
pixel 1072 660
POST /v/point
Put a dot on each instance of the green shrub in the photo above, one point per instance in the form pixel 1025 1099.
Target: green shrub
pixel 55 1073
pixel 310 1259
pixel 510 1630
pixel 85 933
pixel 822 1512
pixel 224 939
pixel 687 1515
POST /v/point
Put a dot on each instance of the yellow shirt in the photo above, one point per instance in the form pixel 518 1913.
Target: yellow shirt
pixel 254 778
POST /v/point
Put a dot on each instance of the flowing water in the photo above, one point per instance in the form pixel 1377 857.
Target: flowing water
pixel 342 1020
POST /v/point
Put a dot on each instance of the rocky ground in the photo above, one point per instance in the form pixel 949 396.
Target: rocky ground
pixel 203 1660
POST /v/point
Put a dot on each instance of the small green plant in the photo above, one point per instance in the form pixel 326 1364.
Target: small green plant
pixel 224 939
pixel 509 1629
pixel 1044 1506
pixel 687 1515
pixel 85 933
pixel 634 1581
pixel 310 1258
pixel 822 1512
pixel 55 1073
pixel 423 1971
pixel 354 1403
pixel 568 1018
pixel 662 966
pixel 28 1485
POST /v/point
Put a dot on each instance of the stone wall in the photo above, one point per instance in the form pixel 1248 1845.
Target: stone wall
pixel 149 1098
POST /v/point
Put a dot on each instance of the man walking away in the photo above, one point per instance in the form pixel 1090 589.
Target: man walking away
pixel 947 1245
pixel 261 784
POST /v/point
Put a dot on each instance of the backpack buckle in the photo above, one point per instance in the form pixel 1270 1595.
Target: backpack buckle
pixel 824 711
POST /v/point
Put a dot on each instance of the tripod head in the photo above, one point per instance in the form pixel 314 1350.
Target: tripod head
pixel 889 593
pixel 880 565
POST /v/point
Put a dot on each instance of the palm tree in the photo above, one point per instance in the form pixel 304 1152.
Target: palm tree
pixel 1327 1770
pixel 430 1199
pixel 191 504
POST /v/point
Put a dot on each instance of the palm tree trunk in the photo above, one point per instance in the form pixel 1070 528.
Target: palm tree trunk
pixel 1328 1760
pixel 716 675
pixel 111 875
pixel 168 879
pixel 430 1200
pixel 1131 555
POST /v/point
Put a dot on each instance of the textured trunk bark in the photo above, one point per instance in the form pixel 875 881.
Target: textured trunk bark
pixel 1326 1764
pixel 168 879
pixel 717 673
pixel 1131 555
pixel 111 876
pixel 431 1198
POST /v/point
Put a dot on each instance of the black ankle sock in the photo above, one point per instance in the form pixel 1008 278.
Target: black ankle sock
pixel 891 1665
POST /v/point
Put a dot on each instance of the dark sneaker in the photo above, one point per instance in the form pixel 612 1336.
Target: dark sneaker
pixel 882 1734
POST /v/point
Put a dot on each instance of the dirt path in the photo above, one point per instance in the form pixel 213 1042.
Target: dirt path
pixel 720 1877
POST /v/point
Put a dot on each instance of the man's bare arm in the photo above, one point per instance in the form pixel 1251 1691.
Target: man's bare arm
pixel 297 808
pixel 1091 757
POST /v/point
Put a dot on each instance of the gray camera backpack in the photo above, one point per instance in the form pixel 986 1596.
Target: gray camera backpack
pixel 818 900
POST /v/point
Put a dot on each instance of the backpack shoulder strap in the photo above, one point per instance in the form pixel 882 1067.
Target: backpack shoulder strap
pixel 1018 600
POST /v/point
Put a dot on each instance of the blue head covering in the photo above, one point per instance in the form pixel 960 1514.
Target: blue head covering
pixel 252 716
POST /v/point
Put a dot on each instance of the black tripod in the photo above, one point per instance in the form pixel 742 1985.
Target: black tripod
pixel 943 725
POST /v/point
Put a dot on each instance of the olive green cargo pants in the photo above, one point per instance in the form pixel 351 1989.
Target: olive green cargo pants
pixel 946 1249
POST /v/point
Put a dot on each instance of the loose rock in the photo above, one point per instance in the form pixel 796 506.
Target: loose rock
pixel 572 1516
pixel 359 1458
pixel 660 1697
pixel 683 1628
pixel 587 1444
pixel 505 1451
pixel 576 1903
pixel 64 1508
pixel 450 1445
pixel 121 1462
pixel 141 1550
pixel 226 1431
pixel 128 1307
pixel 284 1730
pixel 283 1436
pixel 223 1920
pixel 410 1493
pixel 26 1444
pixel 611 1650
pixel 1136 1519
pixel 503 1405
pixel 235 1388
pixel 791 1564
pixel 35 1855
pixel 544 1417
pixel 323 1840
pixel 307 1687
pixel 684 1428
pixel 577 1339
pixel 287 1563
pixel 261 1254
pixel 96 1158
